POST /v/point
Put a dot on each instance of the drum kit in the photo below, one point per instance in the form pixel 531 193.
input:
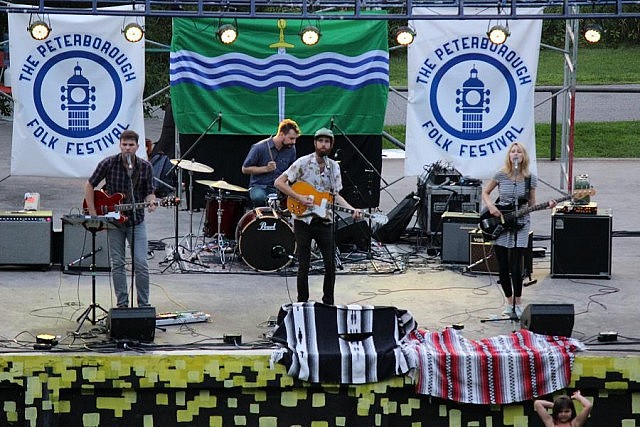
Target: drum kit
pixel 263 236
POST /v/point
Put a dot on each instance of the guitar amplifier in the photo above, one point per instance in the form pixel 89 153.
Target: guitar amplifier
pixel 482 257
pixel 26 237
pixel 77 246
pixel 455 231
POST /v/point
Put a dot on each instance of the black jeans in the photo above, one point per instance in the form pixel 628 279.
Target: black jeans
pixel 321 232
pixel 510 262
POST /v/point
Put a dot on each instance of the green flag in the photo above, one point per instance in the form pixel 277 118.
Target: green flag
pixel 268 74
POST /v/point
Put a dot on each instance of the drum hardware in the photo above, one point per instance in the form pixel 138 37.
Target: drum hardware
pixel 266 242
pixel 221 185
pixel 190 166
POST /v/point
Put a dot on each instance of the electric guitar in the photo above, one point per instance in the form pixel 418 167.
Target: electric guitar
pixel 110 206
pixel 493 226
pixel 322 202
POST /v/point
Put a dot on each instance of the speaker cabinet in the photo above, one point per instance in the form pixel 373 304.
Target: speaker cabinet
pixel 26 238
pixel 455 235
pixel 76 249
pixel 137 324
pixel 548 319
pixel 581 245
pixel 448 198
pixel 481 254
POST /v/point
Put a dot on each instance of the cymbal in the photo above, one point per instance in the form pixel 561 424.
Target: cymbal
pixel 192 166
pixel 223 185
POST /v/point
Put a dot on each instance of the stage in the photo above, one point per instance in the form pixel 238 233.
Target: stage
pixel 239 303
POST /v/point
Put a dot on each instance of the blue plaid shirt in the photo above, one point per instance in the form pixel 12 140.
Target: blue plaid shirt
pixel 116 177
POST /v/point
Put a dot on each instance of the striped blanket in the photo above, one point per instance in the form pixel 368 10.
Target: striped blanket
pixel 497 370
pixel 350 344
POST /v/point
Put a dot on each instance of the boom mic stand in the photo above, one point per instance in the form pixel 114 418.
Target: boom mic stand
pixel 176 256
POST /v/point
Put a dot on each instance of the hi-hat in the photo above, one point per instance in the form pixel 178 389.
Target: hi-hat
pixel 192 166
pixel 222 185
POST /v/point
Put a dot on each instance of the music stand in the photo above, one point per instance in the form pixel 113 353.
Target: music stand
pixel 92 224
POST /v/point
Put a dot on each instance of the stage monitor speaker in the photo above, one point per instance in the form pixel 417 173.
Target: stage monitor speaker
pixel 455 235
pixel 137 324
pixel 548 319
pixel 350 233
pixel 581 245
pixel 26 237
pixel 76 244
pixel 399 218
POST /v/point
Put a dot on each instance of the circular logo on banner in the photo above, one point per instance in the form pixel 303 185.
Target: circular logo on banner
pixel 77 114
pixel 79 92
pixel 474 116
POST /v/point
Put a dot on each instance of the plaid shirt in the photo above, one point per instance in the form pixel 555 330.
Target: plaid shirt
pixel 116 177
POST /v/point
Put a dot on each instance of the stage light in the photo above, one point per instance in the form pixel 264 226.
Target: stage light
pixel 498 34
pixel 39 30
pixel 593 33
pixel 310 35
pixel 405 36
pixel 133 32
pixel 227 33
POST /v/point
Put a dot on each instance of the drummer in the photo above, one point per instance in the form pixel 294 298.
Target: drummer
pixel 267 159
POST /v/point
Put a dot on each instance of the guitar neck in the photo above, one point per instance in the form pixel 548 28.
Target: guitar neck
pixel 130 206
pixel 347 210
pixel 529 209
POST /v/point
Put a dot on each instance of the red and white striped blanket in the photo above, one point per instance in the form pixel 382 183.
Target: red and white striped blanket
pixel 497 370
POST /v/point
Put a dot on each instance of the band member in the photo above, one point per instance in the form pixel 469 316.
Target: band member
pixel 323 174
pixel 268 158
pixel 132 176
pixel 517 188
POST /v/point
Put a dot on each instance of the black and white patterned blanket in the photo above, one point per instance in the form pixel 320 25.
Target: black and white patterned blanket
pixel 350 344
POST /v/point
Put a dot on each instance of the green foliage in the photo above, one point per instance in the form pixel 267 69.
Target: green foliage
pixel 591 140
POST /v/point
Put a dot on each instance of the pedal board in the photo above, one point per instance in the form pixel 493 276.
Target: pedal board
pixel 181 317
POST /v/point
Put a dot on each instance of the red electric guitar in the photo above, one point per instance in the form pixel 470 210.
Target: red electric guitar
pixel 111 207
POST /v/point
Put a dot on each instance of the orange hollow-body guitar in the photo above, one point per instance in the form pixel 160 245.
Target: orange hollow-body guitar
pixel 323 202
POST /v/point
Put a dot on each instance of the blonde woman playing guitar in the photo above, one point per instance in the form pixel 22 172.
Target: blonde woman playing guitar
pixel 323 174
pixel 517 187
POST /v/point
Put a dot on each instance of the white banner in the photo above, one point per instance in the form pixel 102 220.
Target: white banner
pixel 74 93
pixel 468 98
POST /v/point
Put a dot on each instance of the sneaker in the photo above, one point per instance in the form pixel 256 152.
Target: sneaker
pixel 518 311
pixel 508 309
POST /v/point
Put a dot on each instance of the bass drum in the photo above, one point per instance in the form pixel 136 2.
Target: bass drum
pixel 265 240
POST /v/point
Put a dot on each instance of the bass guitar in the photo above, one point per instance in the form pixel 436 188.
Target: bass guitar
pixel 493 226
pixel 322 203
pixel 110 206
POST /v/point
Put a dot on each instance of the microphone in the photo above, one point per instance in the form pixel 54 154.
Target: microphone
pixel 331 126
pixel 219 121
pixel 337 154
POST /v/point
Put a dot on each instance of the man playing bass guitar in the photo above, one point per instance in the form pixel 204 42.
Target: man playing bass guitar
pixel 323 174
pixel 517 189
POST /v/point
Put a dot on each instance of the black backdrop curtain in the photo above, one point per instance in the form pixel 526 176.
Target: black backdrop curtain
pixel 226 153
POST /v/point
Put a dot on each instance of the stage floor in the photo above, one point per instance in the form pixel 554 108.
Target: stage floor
pixel 241 301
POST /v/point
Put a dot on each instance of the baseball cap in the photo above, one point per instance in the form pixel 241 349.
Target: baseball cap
pixel 323 132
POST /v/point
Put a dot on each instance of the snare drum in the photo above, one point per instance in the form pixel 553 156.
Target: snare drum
pixel 265 240
pixel 232 208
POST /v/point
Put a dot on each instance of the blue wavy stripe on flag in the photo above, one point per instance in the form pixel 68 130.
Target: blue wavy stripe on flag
pixel 282 70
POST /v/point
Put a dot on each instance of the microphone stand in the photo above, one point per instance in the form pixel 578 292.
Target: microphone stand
pixel 372 169
pixel 133 231
pixel 176 257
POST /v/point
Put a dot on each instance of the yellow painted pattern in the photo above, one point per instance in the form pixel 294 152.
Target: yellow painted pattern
pixel 241 389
